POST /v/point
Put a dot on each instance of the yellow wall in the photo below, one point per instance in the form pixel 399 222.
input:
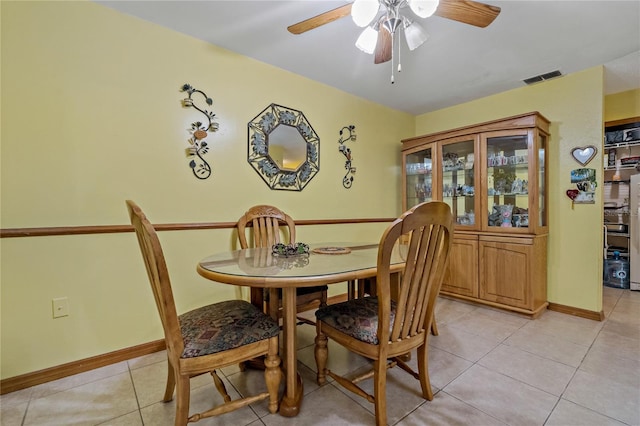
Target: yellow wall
pixel 91 116
pixel 573 104
pixel 622 105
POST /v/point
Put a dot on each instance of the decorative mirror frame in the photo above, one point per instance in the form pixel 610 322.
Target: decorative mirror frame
pixel 258 148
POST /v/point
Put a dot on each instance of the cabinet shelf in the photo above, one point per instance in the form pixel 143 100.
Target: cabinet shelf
pixel 509 194
pixel 627 144
pixel 617 234
pixel 623 255
pixel 521 166
pixel 614 168
pixel 616 207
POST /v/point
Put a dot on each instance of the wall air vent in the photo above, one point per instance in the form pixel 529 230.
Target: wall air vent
pixel 543 77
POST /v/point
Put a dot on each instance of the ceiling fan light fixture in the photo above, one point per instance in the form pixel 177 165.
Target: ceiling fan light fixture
pixel 392 24
pixel 414 34
pixel 367 40
pixel 363 11
pixel 423 8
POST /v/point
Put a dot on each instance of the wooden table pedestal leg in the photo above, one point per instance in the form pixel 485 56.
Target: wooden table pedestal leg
pixel 292 399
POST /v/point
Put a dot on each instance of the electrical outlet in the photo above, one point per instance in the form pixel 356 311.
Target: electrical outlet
pixel 60 307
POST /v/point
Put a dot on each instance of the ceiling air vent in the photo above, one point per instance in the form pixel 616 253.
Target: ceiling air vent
pixel 543 77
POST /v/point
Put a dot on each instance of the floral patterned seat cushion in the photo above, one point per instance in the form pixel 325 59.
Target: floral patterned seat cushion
pixel 222 326
pixel 357 318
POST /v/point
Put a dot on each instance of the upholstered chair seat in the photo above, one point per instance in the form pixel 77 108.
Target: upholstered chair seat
pixel 356 318
pixel 223 326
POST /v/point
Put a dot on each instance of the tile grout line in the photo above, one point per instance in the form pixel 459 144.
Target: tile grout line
pixel 578 368
pixel 135 392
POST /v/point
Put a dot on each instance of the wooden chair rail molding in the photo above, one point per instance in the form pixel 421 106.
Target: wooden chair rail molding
pixel 116 229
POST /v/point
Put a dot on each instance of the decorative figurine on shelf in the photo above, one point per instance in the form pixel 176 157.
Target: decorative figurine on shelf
pixel 199 166
pixel 516 186
pixel 467 190
pixel 494 217
pixel 519 217
pixel 503 180
pixel 450 161
pixel 347 180
pixel 472 218
pixel 501 216
pixel 505 214
pixel 421 192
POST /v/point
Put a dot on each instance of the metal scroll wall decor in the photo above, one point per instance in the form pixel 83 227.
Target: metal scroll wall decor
pixel 347 133
pixel 198 146
pixel 283 148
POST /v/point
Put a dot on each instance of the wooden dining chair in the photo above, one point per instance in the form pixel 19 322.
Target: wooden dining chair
pixel 268 223
pixel 383 329
pixel 207 338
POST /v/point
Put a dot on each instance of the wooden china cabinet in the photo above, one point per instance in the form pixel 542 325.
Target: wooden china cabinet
pixel 494 177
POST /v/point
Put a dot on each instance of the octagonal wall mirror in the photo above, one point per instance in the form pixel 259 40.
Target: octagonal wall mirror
pixel 283 148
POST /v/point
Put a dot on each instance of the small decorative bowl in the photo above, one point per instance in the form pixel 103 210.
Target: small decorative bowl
pixel 290 249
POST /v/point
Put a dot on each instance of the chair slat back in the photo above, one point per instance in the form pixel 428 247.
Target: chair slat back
pixel 266 222
pixel 429 227
pixel 158 277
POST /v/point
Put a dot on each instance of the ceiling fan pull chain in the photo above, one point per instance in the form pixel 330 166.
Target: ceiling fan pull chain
pixel 399 57
pixel 392 79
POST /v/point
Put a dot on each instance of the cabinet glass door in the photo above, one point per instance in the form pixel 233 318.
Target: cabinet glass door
pixel 508 181
pixel 542 181
pixel 419 177
pixel 458 180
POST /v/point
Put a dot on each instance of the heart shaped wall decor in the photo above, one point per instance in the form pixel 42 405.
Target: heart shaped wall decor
pixel 584 155
pixel 572 193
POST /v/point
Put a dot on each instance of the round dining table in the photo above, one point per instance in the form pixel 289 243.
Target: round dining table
pixel 326 263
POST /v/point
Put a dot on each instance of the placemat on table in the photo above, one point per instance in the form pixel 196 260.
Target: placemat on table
pixel 332 250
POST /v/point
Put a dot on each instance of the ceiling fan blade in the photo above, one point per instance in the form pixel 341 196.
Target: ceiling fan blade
pixel 468 12
pixel 384 46
pixel 319 20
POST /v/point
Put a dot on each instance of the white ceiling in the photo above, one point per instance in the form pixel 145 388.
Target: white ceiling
pixel 457 64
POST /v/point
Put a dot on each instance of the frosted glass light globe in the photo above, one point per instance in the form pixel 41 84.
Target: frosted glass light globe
pixel 423 8
pixel 363 11
pixel 367 40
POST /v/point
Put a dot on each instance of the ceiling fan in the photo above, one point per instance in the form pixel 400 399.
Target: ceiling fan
pixel 383 18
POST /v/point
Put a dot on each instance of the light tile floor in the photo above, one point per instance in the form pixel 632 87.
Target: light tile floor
pixel 487 367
